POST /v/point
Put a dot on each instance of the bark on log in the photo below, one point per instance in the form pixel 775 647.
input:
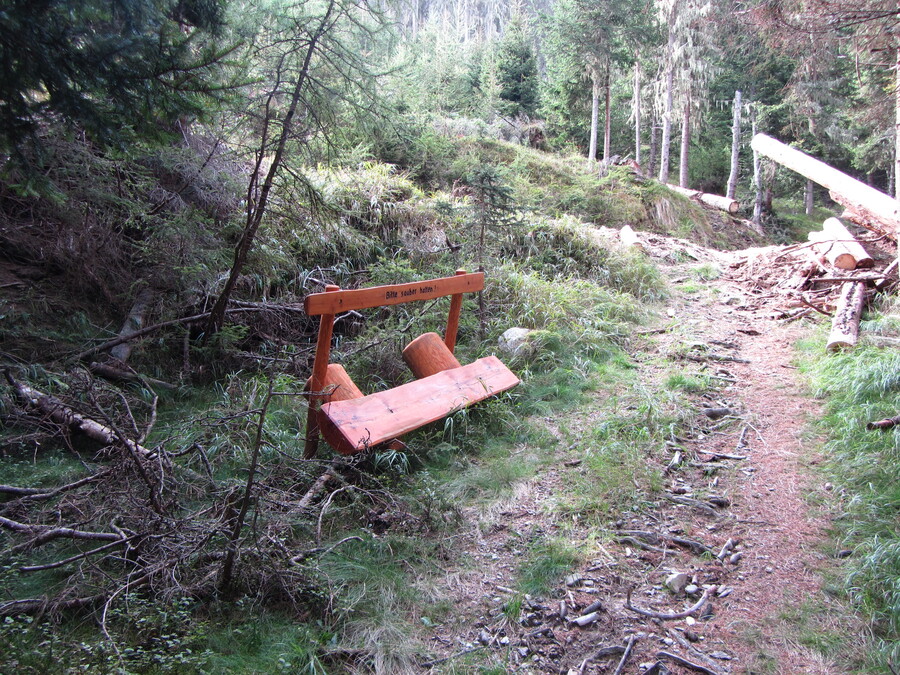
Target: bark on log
pixel 887 423
pixel 629 238
pixel 845 325
pixel 866 201
pixel 109 372
pixel 867 222
pixel 717 201
pixel 63 415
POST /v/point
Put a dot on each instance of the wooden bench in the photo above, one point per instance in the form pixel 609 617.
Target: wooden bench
pixel 351 422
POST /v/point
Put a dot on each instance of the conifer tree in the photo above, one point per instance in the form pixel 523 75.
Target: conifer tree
pixel 109 67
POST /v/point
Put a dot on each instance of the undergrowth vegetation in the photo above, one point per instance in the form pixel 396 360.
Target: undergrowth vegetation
pixel 859 387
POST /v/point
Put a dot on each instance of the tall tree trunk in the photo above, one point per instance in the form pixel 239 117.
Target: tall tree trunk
pixel 595 115
pixel 685 143
pixel 809 198
pixel 757 178
pixel 637 109
pixel 607 123
pixel 735 146
pixel 897 120
pixel 667 111
pixel 651 168
pixel 256 208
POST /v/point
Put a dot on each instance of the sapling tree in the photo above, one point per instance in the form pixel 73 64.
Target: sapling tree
pixel 316 67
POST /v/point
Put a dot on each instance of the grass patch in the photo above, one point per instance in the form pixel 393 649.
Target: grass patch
pixel 858 387
pixel 547 563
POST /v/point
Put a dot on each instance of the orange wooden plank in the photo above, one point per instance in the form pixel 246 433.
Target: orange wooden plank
pixel 353 425
pixel 336 302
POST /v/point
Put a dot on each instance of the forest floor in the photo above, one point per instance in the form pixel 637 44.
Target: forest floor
pixel 747 471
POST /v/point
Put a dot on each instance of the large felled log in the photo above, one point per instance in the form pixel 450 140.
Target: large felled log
pixel 854 195
pixel 717 201
pixel 845 325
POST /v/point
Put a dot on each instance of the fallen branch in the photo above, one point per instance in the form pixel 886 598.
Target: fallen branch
pixel 75 558
pixel 886 423
pixel 155 327
pixel 65 416
pixel 631 640
pixel 680 660
pixel 39 605
pixel 695 503
pixel 35 494
pixel 674 616
pixel 45 533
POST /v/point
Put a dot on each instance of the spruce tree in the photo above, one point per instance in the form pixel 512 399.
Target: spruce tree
pixel 517 72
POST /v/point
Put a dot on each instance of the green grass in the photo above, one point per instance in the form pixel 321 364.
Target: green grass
pixel 858 387
pixel 547 563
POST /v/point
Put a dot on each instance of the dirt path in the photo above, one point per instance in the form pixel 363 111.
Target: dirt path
pixel 757 499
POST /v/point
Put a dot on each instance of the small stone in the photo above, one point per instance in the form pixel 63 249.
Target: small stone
pixel 677 582
pixel 844 553
pixel 769 569
pixel 736 558
pixel 690 621
pixel 829 487
pixel 484 637
pixel 722 656
pixel 691 589
pixel 523 651
pixel 572 580
pixel 716 413
pixel 504 640
pixel 691 636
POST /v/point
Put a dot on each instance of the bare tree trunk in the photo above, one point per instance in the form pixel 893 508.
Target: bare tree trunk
pixel 595 115
pixel 133 323
pixel 607 123
pixel 809 198
pixel 897 121
pixel 667 112
pixel 685 143
pixel 256 208
pixel 637 109
pixel 757 179
pixel 651 168
pixel 735 146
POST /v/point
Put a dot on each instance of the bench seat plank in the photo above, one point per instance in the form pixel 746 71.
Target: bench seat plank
pixel 353 425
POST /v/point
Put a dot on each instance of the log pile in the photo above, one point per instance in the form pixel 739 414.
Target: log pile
pixel 832 274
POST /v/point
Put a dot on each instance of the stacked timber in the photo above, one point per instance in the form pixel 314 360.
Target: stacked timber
pixel 840 248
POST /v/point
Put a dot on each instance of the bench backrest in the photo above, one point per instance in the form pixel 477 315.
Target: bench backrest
pixel 334 301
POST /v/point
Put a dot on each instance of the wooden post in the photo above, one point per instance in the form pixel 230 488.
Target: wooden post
pixel 453 318
pixel 317 381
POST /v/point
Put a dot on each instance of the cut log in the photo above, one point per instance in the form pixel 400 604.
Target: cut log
pixel 866 201
pixel 337 385
pixel 835 227
pixel 629 237
pixel 834 251
pixel 717 201
pixel 845 325
pixel 428 354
